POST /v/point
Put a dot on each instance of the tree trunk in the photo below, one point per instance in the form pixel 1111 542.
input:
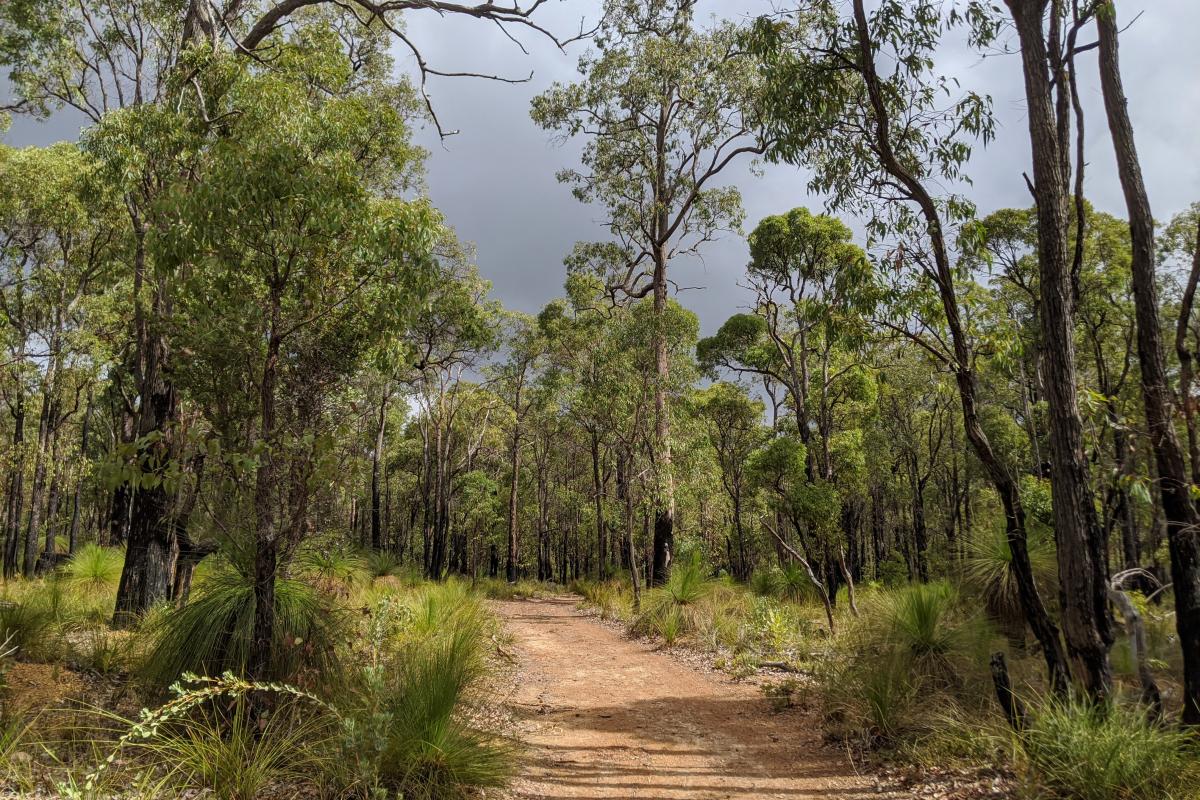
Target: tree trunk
pixel 376 470
pixel 1083 582
pixel 1183 541
pixel 664 495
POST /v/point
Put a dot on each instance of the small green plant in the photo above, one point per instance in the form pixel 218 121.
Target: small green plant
pixel 405 731
pixel 94 567
pixel 335 570
pixel 234 757
pixel 26 626
pixel 669 625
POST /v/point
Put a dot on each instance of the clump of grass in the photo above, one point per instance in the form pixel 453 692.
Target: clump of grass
pixel 914 650
pixel 335 570
pixel 611 599
pixel 675 606
pixel 382 563
pixel 27 626
pixel 212 634
pixel 987 569
pixel 94 567
pixel 408 730
pixel 497 589
pixel 789 582
pixel 234 756
pixel 1073 750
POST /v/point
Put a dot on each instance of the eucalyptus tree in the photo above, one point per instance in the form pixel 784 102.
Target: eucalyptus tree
pixel 879 144
pixel 143 71
pixel 450 335
pixel 814 290
pixel 1047 34
pixel 1175 488
pixel 513 378
pixel 665 107
pixel 297 257
pixel 733 424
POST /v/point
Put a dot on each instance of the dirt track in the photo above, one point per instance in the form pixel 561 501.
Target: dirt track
pixel 606 717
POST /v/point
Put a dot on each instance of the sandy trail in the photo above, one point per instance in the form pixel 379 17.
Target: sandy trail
pixel 607 717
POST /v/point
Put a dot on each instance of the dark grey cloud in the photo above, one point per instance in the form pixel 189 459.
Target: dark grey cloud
pixel 495 180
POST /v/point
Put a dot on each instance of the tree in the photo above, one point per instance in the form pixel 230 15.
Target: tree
pixel 1183 533
pixel 1047 62
pixel 877 144
pixel 298 259
pixel 666 108
pixel 733 426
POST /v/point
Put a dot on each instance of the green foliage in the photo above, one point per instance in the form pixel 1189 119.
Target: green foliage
pixel 1082 752
pixel 335 569
pixel 913 647
pixel 987 569
pixel 233 757
pixel 213 633
pixel 94 567
pixel 26 625
pixel 405 728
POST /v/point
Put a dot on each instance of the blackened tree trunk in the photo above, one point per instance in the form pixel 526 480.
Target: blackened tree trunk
pixel 147 575
pixel 664 490
pixel 1081 546
pixel 16 485
pixel 1183 538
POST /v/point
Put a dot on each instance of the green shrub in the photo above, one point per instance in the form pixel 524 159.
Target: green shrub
pixel 407 731
pixel 334 570
pixel 1111 753
pixel 27 626
pixel 915 651
pixel 381 563
pixel 94 567
pixel 213 632
pixel 987 569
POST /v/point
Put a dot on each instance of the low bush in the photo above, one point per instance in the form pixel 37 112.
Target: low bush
pixel 95 568
pixel 913 649
pixel 1082 752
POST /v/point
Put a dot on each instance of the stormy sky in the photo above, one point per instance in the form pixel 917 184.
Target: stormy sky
pixel 495 181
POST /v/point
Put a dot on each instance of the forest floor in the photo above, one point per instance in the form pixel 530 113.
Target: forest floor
pixel 604 716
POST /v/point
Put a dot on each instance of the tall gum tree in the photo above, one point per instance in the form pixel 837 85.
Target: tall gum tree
pixel 665 107
pixel 879 142
pixel 1047 62
pixel 1183 522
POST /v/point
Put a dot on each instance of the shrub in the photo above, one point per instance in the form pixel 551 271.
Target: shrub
pixel 26 626
pixel 334 570
pixel 915 644
pixel 407 731
pixel 213 632
pixel 234 757
pixel 94 567
pixel 1111 753
pixel 987 569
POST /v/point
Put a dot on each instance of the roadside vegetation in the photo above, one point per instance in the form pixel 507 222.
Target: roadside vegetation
pixel 270 443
